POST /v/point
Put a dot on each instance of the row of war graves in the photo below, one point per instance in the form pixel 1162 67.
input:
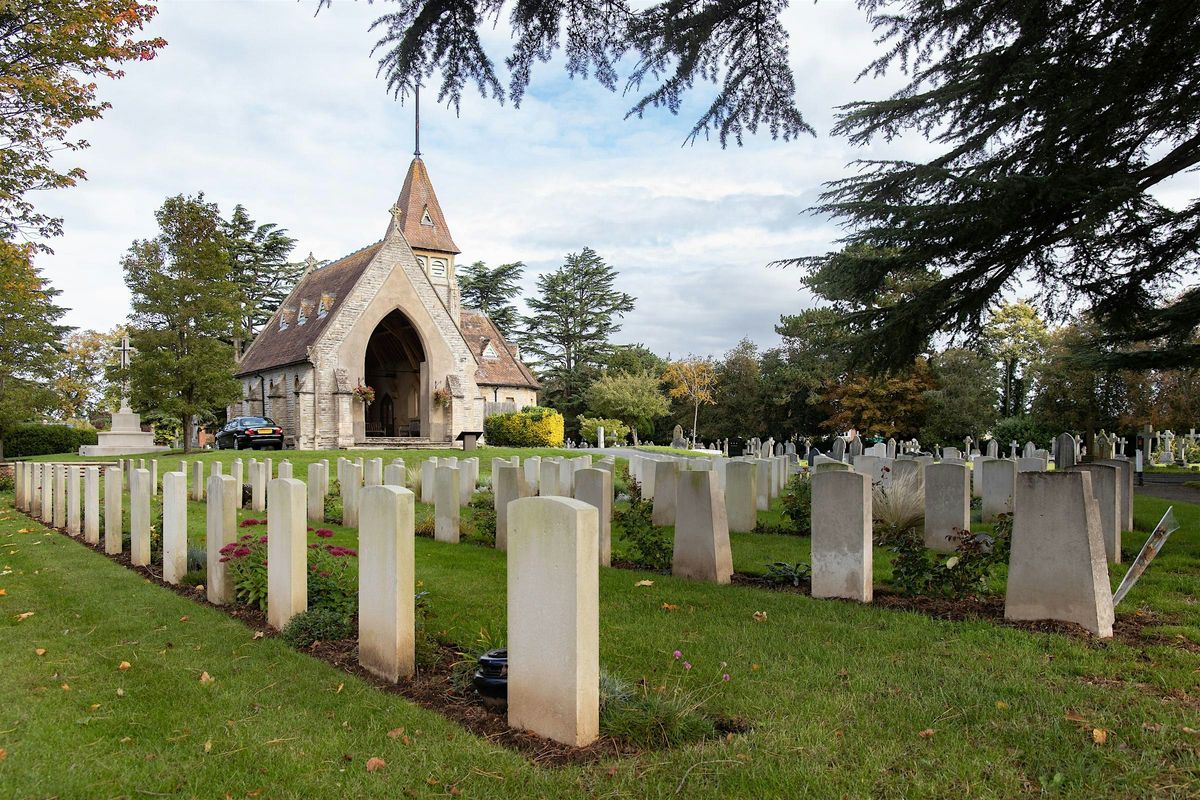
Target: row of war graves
pixel 553 519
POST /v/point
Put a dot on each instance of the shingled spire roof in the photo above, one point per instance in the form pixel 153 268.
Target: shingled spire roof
pixel 419 214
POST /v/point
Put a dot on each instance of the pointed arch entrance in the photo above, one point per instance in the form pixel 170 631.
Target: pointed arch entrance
pixel 392 367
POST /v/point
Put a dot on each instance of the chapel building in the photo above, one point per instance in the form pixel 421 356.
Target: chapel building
pixel 388 317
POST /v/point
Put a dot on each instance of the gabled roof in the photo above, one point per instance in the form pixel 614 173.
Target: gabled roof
pixel 275 347
pixel 419 214
pixel 504 369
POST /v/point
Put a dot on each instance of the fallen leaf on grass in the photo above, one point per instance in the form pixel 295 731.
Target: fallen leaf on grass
pixel 1153 727
pixel 205 678
pixel 1099 736
pixel 120 692
pixel 644 583
pixel 760 616
pixel 432 781
pixel 93 706
pixel 375 764
pixel 184 618
pixel 124 665
pixel 257 635
pixel 66 687
pixel 3 592
pixel 3 754
pixel 25 530
pixel 1073 716
pixel 41 651
pixel 395 733
pixel 23 617
pixel 1000 704
pixel 670 607
pixel 339 688
pixel 208 746
pixel 926 734
pixel 1189 731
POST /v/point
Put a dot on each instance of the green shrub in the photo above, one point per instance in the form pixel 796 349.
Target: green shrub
pixel 195 577
pixel 8 482
pixel 918 571
pixel 1021 430
pixel 33 439
pixel 332 580
pixel 333 503
pixel 614 429
pixel 317 625
pixel 483 518
pixel 797 504
pixel 647 546
pixel 532 426
pixel 786 574
pixel 654 719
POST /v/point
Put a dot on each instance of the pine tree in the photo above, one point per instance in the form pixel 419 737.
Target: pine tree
pixel 490 290
pixel 185 308
pixel 573 319
pixel 262 273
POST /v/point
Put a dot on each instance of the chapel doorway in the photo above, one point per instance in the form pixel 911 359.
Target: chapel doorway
pixel 392 367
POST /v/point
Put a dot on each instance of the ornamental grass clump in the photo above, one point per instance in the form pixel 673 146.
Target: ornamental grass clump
pixel 898 510
pixel 667 715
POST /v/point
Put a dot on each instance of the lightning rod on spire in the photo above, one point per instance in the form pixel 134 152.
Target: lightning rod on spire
pixel 417 108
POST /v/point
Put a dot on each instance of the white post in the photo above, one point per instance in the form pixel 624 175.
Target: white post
pixel 73 487
pixel 386 580
pixel 287 553
pixel 554 619
pixel 351 492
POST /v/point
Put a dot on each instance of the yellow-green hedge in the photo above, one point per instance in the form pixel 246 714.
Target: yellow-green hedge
pixel 532 426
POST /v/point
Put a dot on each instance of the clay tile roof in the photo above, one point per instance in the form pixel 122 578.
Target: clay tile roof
pixel 419 213
pixel 274 347
pixel 503 370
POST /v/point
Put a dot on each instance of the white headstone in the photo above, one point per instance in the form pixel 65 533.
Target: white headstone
pixel 287 551
pixel 386 583
pixel 841 535
pixel 220 530
pixel 174 532
pixel 702 549
pixel 446 498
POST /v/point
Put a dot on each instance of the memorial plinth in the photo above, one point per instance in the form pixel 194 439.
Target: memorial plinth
pixel 125 437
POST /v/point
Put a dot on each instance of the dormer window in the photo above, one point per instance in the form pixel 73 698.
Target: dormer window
pixel 425 218
pixel 437 268
pixel 488 350
pixel 304 312
pixel 324 306
pixel 285 319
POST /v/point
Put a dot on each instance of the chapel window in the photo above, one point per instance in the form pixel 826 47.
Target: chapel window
pixel 437 268
pixel 324 306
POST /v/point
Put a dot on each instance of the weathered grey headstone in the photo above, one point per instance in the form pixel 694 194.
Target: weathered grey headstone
pixel 1065 452
pixel 428 479
pixel 1125 479
pixel 666 486
pixel 741 500
pixel 1106 488
pixel 533 466
pixel 386 581
pixel 841 535
pixel 839 449
pixel 594 487
pixel 287 551
pixel 548 479
pixel 762 483
pixel 701 530
pixel 174 532
pixel 947 504
pixel 1057 568
pixel 999 488
pixel 220 529
pixel 993 448
pixel 554 619
pixel 1030 465
pixel 509 485
pixel 285 471
pixel 446 514
pixel 394 475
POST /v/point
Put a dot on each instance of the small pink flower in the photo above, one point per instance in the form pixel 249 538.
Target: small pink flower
pixel 687 665
pixel 223 559
pixel 677 654
pixel 725 677
pixel 262 540
pixel 324 533
pixel 324 573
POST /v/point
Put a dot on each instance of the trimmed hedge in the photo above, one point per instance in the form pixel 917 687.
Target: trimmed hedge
pixel 42 440
pixel 614 429
pixel 532 426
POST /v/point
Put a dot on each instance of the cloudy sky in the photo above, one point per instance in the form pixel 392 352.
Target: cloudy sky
pixel 262 103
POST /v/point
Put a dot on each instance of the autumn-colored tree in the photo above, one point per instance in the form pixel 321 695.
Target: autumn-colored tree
pixel 880 406
pixel 80 383
pixel 51 53
pixel 29 334
pixel 692 379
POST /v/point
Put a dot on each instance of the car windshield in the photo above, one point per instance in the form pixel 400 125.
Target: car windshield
pixel 252 422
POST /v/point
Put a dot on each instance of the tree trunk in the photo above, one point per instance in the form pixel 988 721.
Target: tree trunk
pixel 695 422
pixel 187 433
pixel 633 428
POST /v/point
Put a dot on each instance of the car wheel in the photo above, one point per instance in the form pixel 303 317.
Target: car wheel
pixel 236 444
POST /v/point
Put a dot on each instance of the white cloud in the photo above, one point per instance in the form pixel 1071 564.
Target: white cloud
pixel 263 104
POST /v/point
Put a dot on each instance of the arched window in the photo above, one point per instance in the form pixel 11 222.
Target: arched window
pixel 437 268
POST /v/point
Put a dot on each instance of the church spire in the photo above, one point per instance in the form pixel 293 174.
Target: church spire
pixel 418 214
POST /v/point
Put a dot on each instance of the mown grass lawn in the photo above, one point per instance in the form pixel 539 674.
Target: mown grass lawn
pixel 842 697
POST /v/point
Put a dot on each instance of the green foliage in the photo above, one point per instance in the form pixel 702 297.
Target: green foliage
pixel 1021 430
pixel 964 400
pixel 635 398
pixel 317 625
pixel 463 669
pixel 333 502
pixel 8 482
pixel 797 504
pixel 53 54
pixel 656 719
pixel 246 563
pixel 573 318
pixel 261 271
pixel 614 430
pixel 491 290
pixel 648 546
pixel 1016 337
pixel 185 308
pixel 483 519
pixel 425 525
pixel 533 426
pixel 918 571
pixel 332 579
pixel 23 441
pixel 789 574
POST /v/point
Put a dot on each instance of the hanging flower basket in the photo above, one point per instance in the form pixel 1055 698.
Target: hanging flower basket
pixel 364 393
pixel 441 396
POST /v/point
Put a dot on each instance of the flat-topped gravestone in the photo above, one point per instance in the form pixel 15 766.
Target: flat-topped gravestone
pixel 762 484
pixel 285 471
pixel 386 583
pixel 509 485
pixel 113 538
pixel 91 505
pixel 260 473
pixel 237 472
pixel 666 487
pixel 1057 567
pixel 701 547
pixel 287 551
pixel 741 502
pixel 554 619
pixel 446 514
pixel 220 530
pixel 1106 488
pixel 316 493
pixel 908 472
pixel 594 487
pixel 139 517
pixel 468 478
pixel 548 475
pixel 197 481
pixel 373 476
pixel 841 535
pixel 428 479
pixel 351 493
pixel 1030 464
pixel 947 504
pixel 395 475
pixel 74 475
pixel 999 488
pixel 1125 479
pixel 174 532
pixel 533 467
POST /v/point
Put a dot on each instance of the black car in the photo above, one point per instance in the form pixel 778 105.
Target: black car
pixel 250 433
